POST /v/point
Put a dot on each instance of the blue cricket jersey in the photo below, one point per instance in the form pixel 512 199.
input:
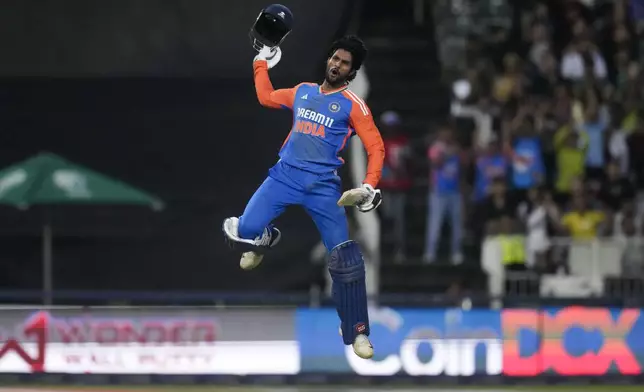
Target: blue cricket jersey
pixel 323 122
pixel 487 169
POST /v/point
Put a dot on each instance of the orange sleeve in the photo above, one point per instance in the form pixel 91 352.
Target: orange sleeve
pixel 362 122
pixel 266 94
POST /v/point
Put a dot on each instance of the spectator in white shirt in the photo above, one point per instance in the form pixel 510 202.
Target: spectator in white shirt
pixel 573 62
pixel 617 145
pixel 535 213
pixel 581 55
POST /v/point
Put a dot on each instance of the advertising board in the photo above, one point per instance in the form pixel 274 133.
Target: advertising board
pixel 571 341
pixel 411 342
pixel 148 342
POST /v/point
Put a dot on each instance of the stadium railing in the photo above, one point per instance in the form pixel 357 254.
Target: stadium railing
pixel 598 268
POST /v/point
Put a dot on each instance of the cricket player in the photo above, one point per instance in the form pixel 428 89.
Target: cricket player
pixel 325 116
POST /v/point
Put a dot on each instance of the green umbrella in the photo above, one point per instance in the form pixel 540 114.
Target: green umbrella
pixel 47 179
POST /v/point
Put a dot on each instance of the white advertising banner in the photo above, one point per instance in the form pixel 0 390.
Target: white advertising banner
pixel 235 358
pixel 148 341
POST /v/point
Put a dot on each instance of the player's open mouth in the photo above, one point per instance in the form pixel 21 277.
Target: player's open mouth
pixel 334 72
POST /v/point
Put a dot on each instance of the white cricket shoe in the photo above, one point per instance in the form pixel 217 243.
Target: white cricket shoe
pixel 362 346
pixel 250 260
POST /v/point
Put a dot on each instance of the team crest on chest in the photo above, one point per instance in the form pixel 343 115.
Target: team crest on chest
pixel 334 107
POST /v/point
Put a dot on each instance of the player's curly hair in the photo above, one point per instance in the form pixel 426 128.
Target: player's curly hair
pixel 356 47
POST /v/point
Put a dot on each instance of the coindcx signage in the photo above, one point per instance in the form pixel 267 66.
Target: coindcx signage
pixel 572 341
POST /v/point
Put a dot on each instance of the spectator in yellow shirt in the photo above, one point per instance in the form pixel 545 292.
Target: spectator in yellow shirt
pixel 570 147
pixel 582 223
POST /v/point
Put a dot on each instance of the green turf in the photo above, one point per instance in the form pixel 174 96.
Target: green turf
pixel 175 388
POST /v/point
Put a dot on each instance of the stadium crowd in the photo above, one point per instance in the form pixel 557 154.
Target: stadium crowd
pixel 545 138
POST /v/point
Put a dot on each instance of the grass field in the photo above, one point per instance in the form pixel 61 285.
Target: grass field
pixel 590 388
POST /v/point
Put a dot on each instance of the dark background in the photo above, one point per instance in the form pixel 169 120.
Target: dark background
pixel 159 94
pixel 200 38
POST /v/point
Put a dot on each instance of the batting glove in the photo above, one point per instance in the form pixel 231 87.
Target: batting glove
pixel 271 56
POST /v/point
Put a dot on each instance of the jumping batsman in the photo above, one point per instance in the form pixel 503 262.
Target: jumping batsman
pixel 325 116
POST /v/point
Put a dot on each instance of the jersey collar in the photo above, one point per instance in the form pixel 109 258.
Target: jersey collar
pixel 346 86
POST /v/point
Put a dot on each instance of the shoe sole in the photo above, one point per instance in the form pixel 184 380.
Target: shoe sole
pixel 254 265
pixel 364 357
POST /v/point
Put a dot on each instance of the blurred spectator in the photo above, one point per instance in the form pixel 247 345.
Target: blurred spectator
pixel 570 149
pixel 622 65
pixel 488 124
pixel 617 147
pixel 586 97
pixel 473 109
pixel 596 128
pixel 527 154
pixel 534 213
pixel 577 188
pixel 512 242
pixel 631 87
pixel 511 80
pixel 616 189
pixel 395 177
pixel 562 103
pixel 490 163
pixel 546 77
pixel 491 208
pixel 628 212
pixel 445 194
pixel 633 256
pixel 546 127
pixel 632 115
pixel 582 223
pixel 538 16
pixel 582 58
pixel 620 46
pixel 540 43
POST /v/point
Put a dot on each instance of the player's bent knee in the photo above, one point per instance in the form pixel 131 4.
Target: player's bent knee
pixel 346 264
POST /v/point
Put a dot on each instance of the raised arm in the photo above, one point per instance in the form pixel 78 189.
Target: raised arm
pixel 266 94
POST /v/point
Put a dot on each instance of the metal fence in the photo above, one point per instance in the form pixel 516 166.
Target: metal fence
pixel 602 269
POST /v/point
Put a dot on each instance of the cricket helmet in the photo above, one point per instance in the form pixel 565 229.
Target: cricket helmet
pixel 271 27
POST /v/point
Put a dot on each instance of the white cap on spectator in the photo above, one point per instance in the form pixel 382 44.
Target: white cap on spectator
pixel 462 89
pixel 390 118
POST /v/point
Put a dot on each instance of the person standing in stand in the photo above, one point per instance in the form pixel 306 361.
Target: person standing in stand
pixel 395 177
pixel 445 194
